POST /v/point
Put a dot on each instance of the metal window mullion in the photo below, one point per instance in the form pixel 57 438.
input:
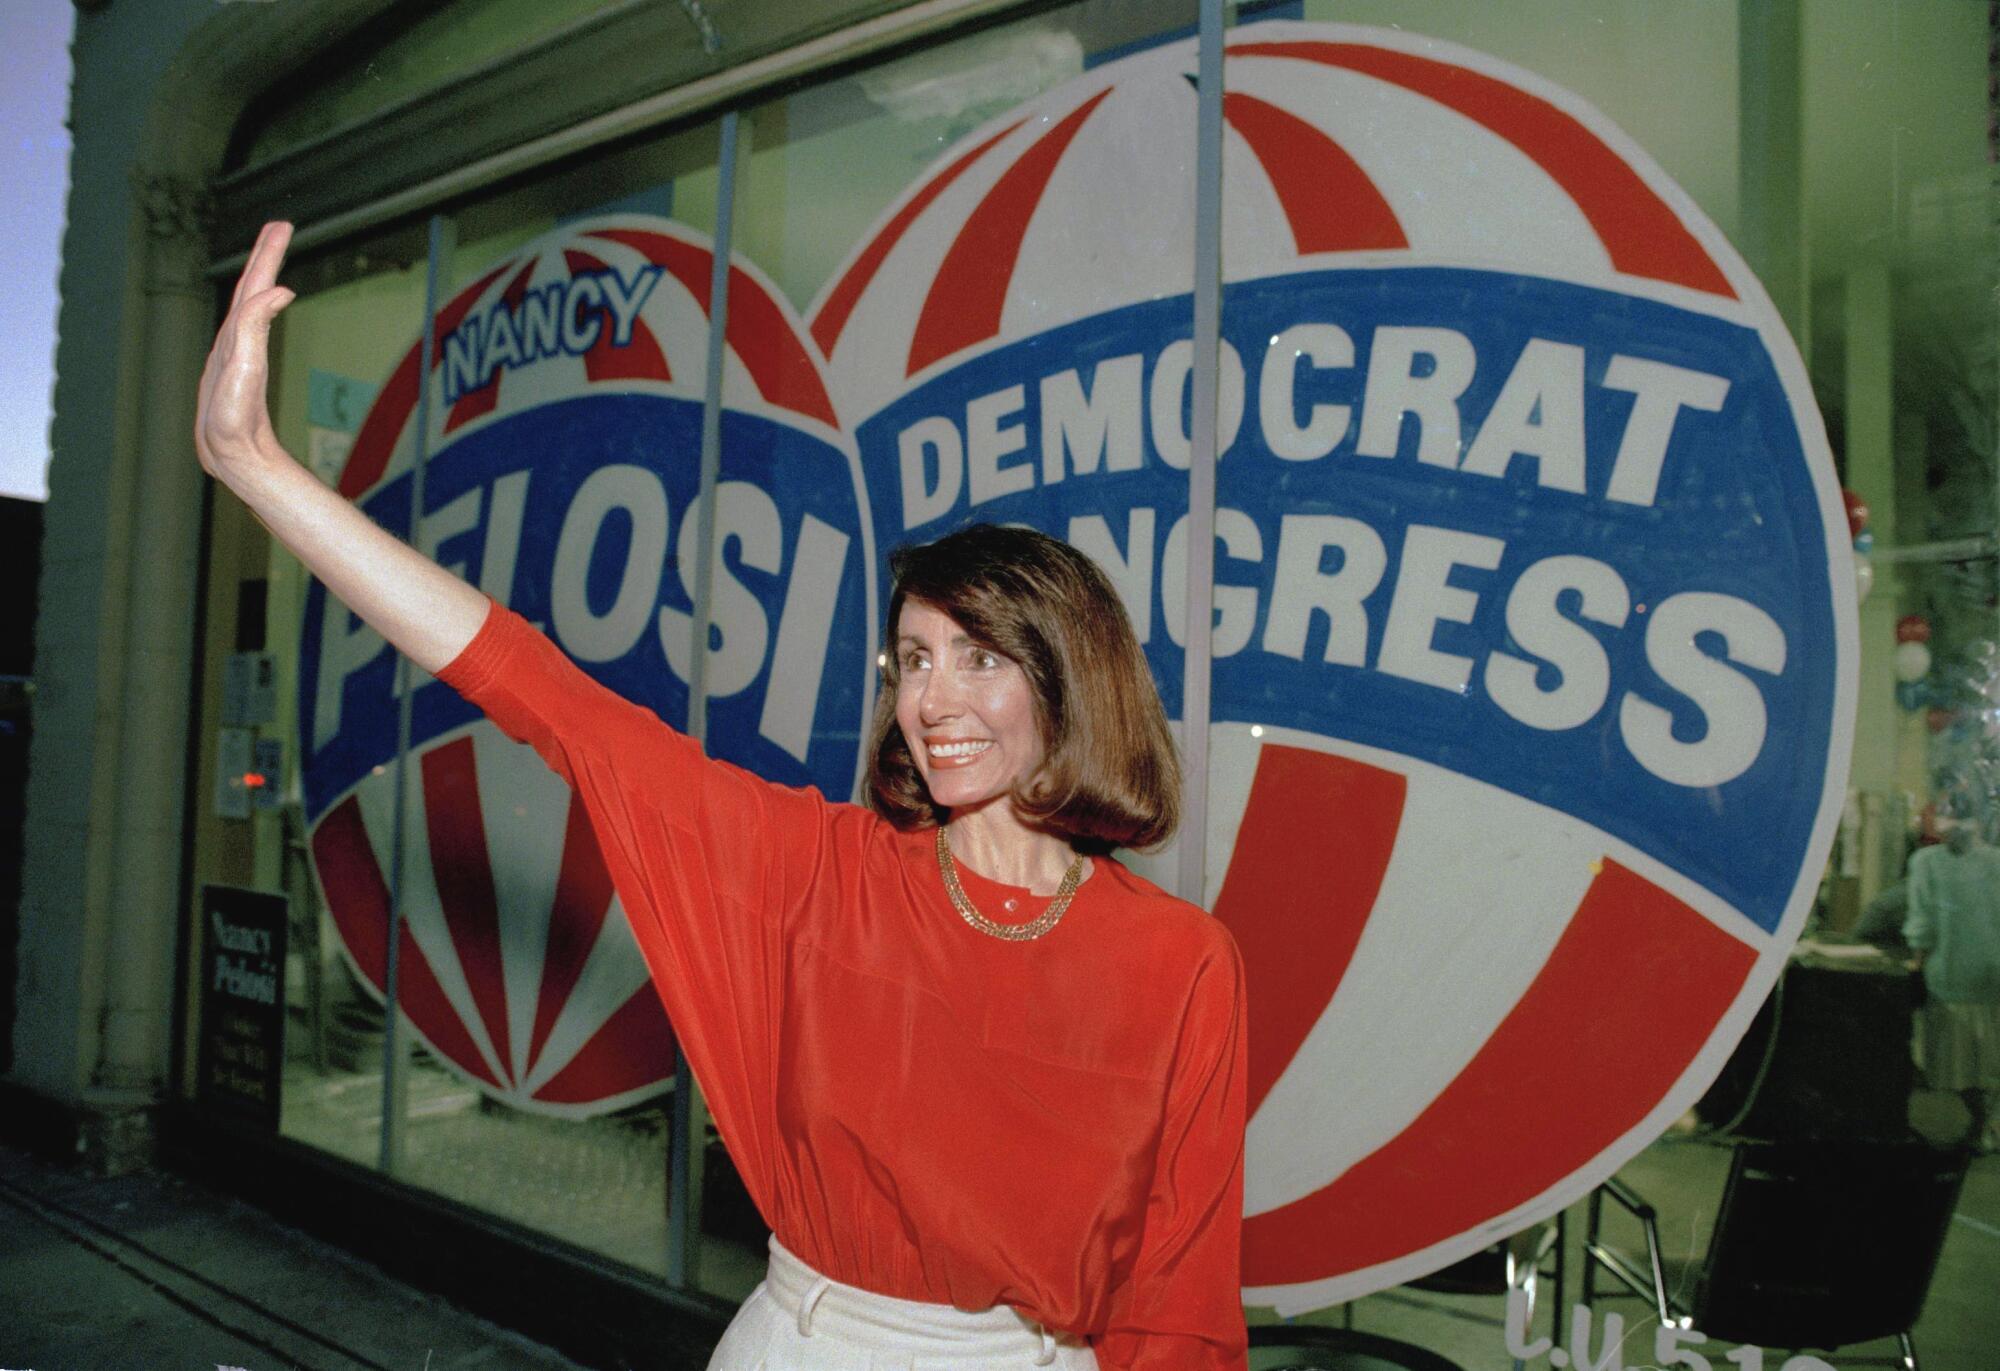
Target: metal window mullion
pixel 688 1134
pixel 711 429
pixel 1993 207
pixel 1199 608
pixel 395 1057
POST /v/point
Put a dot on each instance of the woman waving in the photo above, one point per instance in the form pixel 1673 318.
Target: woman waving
pixel 985 1084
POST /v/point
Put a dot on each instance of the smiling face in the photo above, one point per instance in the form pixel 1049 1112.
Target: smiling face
pixel 966 711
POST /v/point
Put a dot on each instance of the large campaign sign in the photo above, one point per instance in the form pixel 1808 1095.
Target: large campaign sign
pixel 1534 637
pixel 566 405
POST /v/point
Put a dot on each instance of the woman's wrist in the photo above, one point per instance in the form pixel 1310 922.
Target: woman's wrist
pixel 257 469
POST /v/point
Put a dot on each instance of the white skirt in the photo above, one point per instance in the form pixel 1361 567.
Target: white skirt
pixel 799 1320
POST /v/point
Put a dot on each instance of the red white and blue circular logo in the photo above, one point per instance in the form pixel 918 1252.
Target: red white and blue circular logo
pixel 566 402
pixel 1534 631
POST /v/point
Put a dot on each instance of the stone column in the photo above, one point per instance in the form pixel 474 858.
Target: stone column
pixel 155 667
pixel 1770 148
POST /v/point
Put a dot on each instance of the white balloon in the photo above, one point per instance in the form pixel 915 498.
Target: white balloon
pixel 1864 578
pixel 1913 662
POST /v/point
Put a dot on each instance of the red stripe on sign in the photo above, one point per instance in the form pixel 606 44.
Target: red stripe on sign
pixel 1627 999
pixel 376 442
pixel 1332 204
pixel 758 331
pixel 639 359
pixel 832 316
pixel 358 899
pixel 1641 232
pixel 965 300
pixel 583 894
pixel 781 367
pixel 634 1048
pixel 474 403
pixel 463 871
pixel 1310 855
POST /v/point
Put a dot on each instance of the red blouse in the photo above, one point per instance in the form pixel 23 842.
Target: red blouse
pixel 918 1108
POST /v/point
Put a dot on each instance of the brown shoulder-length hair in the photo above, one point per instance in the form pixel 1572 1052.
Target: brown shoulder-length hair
pixel 1110 777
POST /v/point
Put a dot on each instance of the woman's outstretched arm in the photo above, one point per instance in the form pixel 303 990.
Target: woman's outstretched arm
pixel 423 610
pixel 710 863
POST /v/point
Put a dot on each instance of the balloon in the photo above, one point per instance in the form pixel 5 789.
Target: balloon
pixel 1913 662
pixel 1857 513
pixel 1864 578
pixel 1939 719
pixel 1864 542
pixel 1913 628
pixel 1910 696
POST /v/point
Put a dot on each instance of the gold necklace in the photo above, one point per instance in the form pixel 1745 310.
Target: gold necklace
pixel 1013 933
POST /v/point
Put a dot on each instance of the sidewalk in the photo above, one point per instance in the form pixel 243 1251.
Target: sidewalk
pixel 153 1272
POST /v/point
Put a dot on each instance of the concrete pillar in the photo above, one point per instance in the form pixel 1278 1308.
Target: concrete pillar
pixel 1869 402
pixel 1770 157
pixel 73 774
pixel 107 773
pixel 156 662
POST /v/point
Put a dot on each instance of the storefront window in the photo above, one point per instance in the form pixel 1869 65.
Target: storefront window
pixel 554 1042
pixel 1505 422
pixel 329 357
pixel 503 1101
pixel 1899 234
pixel 934 218
pixel 830 210
pixel 1847 159
pixel 824 165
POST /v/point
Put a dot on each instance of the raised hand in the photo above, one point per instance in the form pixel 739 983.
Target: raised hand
pixel 232 423
pixel 418 606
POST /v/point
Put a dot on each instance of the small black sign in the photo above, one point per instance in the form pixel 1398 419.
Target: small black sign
pixel 242 1055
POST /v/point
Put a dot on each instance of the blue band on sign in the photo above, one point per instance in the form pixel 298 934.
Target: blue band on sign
pixel 1554 538
pixel 590 501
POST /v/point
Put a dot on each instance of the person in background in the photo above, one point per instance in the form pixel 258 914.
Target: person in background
pixel 986 1085
pixel 1953 927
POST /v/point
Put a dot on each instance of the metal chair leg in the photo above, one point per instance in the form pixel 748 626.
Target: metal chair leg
pixel 1562 1258
pixel 1594 1214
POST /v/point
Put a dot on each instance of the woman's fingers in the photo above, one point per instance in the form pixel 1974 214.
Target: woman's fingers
pixel 260 309
pixel 232 409
pixel 260 271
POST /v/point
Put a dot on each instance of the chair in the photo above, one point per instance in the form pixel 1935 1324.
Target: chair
pixel 1309 1347
pixel 1816 1245
pixel 1514 1264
